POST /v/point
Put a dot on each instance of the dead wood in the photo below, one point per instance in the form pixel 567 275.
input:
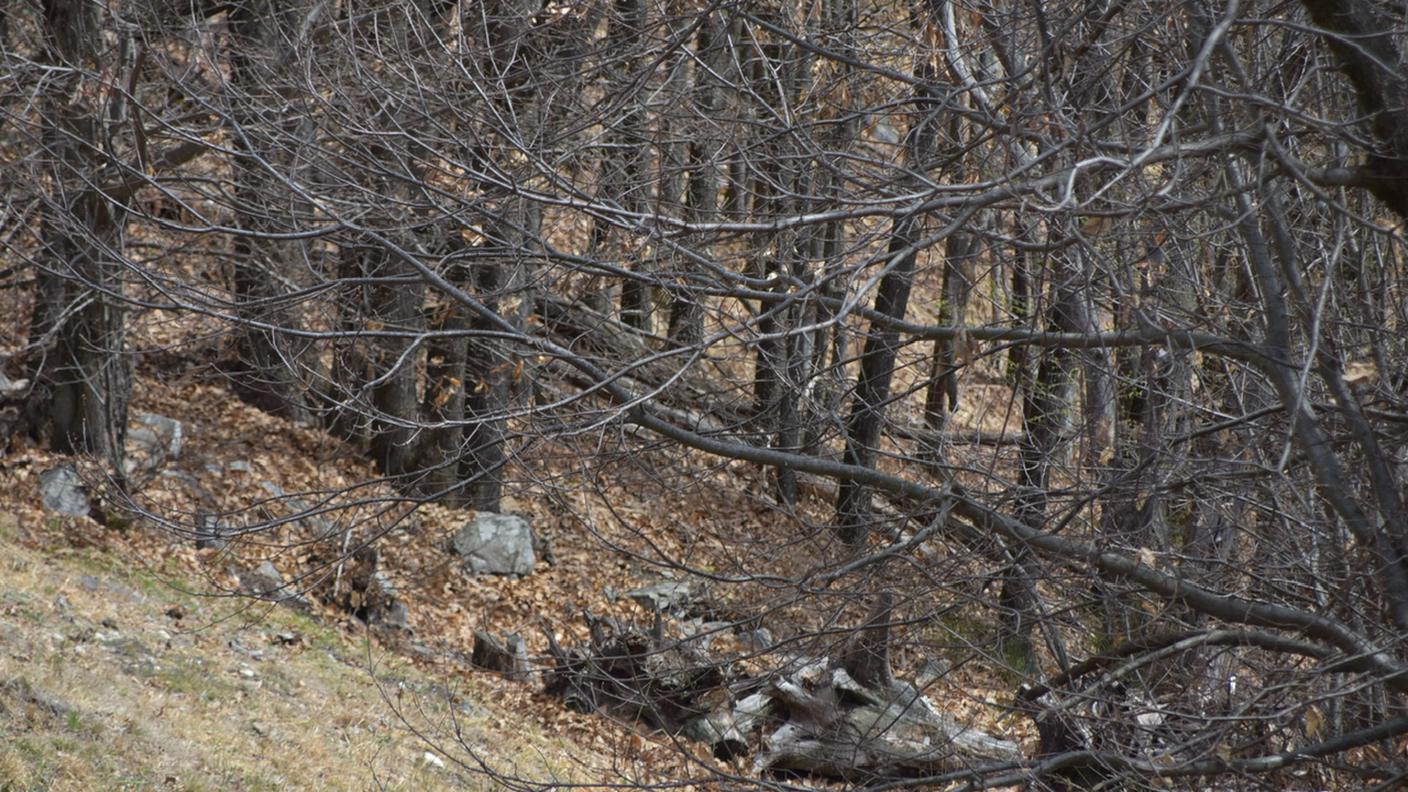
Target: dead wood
pixel 844 716
pixel 508 656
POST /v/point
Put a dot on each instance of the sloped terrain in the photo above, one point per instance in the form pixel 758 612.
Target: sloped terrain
pixel 152 664
pixel 112 678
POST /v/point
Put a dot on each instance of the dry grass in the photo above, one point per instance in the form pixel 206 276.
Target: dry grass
pixel 101 688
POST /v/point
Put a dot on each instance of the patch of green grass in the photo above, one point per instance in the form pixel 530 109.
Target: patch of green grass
pixel 200 683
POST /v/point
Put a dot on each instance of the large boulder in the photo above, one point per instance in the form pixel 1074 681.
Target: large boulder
pixel 496 544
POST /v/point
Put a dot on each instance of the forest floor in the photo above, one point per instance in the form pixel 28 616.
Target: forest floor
pixel 101 686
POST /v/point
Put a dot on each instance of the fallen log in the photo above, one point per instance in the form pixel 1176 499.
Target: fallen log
pixel 636 674
pixel 867 733
pixel 844 716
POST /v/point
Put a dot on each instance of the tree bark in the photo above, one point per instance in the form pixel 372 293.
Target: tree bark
pixel 942 396
pixel 79 315
pixel 877 361
pixel 1363 40
pixel 264 46
pixel 686 325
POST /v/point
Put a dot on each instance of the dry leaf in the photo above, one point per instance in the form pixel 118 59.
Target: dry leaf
pixel 1360 372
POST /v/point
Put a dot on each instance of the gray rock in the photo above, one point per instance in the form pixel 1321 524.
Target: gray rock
pixel 63 491
pixel 759 640
pixel 265 582
pixel 667 595
pixel 154 441
pixel 210 533
pixel 496 544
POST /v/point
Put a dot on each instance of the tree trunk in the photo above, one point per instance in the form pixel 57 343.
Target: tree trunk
pixel 447 359
pixel 626 161
pixel 264 41
pixel 1045 402
pixel 492 370
pixel 397 297
pixel 686 326
pixel 877 366
pixel 1363 39
pixel 942 395
pixel 877 361
pixel 79 315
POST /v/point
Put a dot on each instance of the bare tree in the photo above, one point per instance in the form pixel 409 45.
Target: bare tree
pixel 1157 247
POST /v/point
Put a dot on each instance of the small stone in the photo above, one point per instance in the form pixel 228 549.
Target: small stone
pixel 259 728
pixel 429 759
pixel 247 672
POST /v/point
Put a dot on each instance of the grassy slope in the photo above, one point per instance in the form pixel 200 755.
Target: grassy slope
pixel 101 688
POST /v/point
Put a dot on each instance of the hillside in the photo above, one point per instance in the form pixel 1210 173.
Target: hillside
pixel 761 394
pixel 152 662
pixel 115 678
